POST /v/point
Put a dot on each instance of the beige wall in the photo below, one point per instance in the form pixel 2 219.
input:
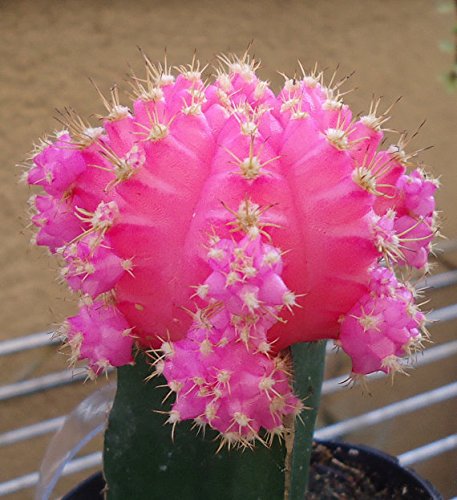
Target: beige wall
pixel 47 51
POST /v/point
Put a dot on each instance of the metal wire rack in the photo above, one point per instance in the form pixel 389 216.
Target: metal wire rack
pixel 407 406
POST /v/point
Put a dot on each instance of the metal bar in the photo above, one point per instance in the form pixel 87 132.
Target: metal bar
pixel 18 483
pixel 437 281
pixel 445 246
pixel 30 480
pixel 33 341
pixel 31 431
pixel 83 463
pixel 38 384
pixel 431 355
pixel 414 403
pixel 330 348
pixel 429 450
pixel 447 313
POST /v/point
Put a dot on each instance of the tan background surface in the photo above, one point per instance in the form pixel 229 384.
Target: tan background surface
pixel 47 51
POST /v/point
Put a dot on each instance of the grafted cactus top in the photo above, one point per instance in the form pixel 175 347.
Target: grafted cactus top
pixel 227 214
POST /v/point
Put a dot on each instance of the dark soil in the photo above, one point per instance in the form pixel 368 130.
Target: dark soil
pixel 330 478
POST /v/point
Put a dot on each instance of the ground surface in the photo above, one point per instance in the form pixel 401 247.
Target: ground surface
pixel 47 51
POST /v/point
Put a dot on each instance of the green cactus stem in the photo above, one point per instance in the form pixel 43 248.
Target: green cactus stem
pixel 144 460
pixel 308 362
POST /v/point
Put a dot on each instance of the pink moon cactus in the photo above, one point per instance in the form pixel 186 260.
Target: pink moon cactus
pixel 220 223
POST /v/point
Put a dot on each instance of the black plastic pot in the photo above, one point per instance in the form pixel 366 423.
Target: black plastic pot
pixel 381 468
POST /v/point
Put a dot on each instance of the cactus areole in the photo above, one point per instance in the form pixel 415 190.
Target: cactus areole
pixel 214 225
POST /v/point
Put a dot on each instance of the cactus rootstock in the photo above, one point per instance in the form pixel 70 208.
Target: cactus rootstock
pixel 215 224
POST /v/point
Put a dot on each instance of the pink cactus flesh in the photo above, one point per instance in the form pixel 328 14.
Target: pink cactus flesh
pixel 100 334
pixel 222 373
pixel 268 217
pixel 383 326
